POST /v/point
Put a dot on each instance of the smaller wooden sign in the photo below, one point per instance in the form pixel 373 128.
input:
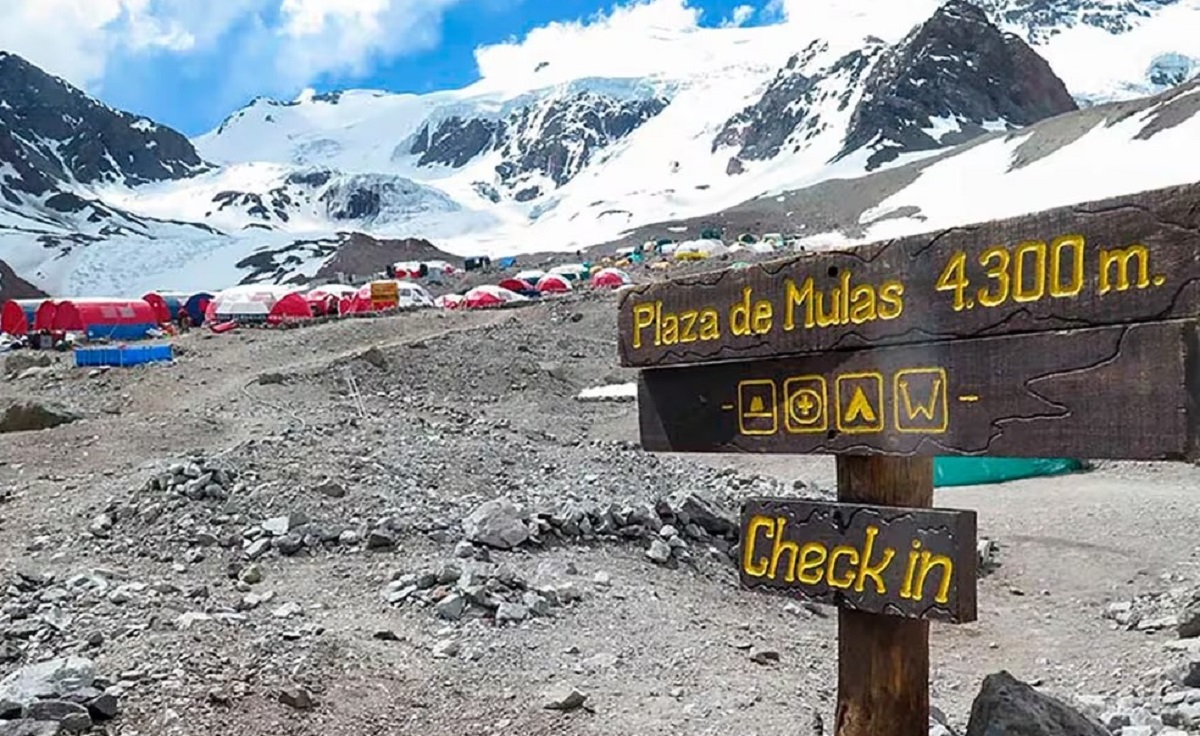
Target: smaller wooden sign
pixel 913 563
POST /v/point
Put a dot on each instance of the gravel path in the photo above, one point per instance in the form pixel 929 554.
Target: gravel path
pixel 458 409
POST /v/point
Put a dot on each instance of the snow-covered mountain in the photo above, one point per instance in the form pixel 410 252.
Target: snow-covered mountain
pixel 563 154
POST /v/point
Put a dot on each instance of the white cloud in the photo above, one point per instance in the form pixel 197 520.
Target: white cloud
pixel 622 42
pixel 740 15
pixel 78 39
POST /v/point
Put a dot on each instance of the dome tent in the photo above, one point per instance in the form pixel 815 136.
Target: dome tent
pixel 611 278
pixel 483 297
pixel 553 283
pixel 258 303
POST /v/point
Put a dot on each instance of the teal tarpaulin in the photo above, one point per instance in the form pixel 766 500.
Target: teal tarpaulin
pixel 966 471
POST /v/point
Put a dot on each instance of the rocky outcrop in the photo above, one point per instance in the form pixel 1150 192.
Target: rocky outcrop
pixel 1008 706
pixel 952 79
pixel 553 138
pixel 788 113
pixel 50 132
pixel 13 286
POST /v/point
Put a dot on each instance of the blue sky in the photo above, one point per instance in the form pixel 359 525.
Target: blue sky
pixel 188 64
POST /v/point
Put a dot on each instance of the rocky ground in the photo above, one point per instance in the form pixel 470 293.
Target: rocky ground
pixel 410 524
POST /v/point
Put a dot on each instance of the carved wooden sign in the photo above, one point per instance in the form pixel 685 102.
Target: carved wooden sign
pixel 915 563
pixel 1119 261
pixel 1126 392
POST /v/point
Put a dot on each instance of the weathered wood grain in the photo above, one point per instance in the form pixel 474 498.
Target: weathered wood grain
pixel 1123 260
pixel 900 561
pixel 883 661
pixel 1126 392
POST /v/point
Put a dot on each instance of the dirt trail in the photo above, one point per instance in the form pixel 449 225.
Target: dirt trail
pixel 473 406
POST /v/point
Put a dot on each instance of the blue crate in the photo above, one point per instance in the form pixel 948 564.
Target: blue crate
pixel 123 356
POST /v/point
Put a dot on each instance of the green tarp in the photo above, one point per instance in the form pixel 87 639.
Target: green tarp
pixel 967 471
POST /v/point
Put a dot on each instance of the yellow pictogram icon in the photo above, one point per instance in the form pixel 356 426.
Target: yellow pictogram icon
pixel 859 402
pixel 806 404
pixel 921 397
pixel 756 407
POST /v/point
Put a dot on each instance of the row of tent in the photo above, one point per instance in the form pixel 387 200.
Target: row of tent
pixel 526 285
pixel 132 319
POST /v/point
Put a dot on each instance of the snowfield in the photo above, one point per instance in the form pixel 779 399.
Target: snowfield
pixel 325 163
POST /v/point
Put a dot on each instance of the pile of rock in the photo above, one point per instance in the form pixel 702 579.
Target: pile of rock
pixel 667 524
pixel 198 479
pixel 1177 608
pixel 461 592
pixel 57 696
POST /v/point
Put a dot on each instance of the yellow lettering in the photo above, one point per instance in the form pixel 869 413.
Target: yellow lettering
pixel 710 324
pixel 851 556
pixel 866 569
pixel 739 314
pixel 1037 289
pixel 1075 285
pixel 906 589
pixel 762 317
pixel 1120 257
pixel 812 563
pixel 928 562
pixel 643 317
pixel 891 297
pixel 834 316
pixel 783 546
pixel 688 321
pixel 862 305
pixel 670 329
pixel 998 273
pixel 795 297
pixel 844 292
pixel 954 278
pixel 759 568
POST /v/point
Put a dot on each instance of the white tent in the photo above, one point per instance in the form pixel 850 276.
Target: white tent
pixel 573 271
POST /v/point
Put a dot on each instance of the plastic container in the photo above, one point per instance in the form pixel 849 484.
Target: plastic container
pixel 123 356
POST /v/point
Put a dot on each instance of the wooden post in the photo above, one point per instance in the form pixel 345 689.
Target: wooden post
pixel 883 661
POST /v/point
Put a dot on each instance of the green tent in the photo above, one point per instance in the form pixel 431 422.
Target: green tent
pixel 967 471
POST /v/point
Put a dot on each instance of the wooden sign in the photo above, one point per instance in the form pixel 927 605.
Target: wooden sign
pixel 914 563
pixel 1129 392
pixel 1119 261
pixel 384 294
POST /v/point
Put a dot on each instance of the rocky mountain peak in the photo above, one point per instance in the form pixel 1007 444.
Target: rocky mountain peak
pixel 953 78
pixel 542 145
pixel 51 133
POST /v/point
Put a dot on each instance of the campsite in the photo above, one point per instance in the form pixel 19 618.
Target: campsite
pixel 441 520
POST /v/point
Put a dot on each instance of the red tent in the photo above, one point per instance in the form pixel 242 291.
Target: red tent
pixel 517 285
pixel 115 319
pixel 482 297
pixel 611 278
pixel 17 315
pixel 43 319
pixel 290 308
pixel 324 300
pixel 254 303
pixel 553 283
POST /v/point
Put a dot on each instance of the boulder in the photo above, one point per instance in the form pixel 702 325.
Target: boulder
pixel 498 524
pixel 50 679
pixel 1006 706
pixel 30 416
pixel 708 516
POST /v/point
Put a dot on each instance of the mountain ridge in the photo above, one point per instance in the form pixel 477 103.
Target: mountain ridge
pixel 517 167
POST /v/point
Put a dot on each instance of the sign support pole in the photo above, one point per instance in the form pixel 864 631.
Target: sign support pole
pixel 883 661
